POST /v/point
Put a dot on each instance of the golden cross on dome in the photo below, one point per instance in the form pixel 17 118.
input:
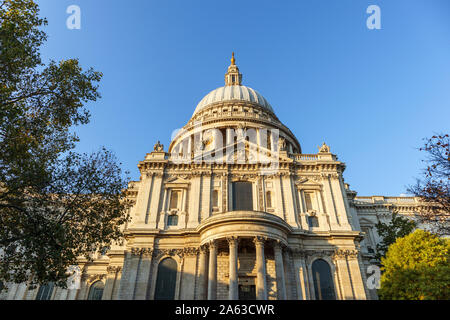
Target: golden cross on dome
pixel 233 77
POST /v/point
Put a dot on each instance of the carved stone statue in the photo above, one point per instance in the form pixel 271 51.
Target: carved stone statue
pixel 282 144
pixel 240 132
pixel 324 148
pixel 158 147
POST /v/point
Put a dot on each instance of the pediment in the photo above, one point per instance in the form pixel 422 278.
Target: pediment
pixel 176 181
pixel 307 182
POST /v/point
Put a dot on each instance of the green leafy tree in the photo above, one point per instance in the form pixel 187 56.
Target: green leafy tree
pixel 55 205
pixel 389 232
pixel 416 267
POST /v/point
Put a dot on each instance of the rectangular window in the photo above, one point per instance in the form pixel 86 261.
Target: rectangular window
pixel 174 199
pixel 215 198
pixel 242 196
pixel 313 222
pixel 367 239
pixel 269 141
pixel 309 198
pixel 45 291
pixel 269 199
pixel 172 220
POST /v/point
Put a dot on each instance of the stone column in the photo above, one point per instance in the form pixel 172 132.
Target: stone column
pixel 143 274
pixel 330 204
pixel 301 277
pixel 261 284
pixel 233 287
pixel 343 208
pixel 110 282
pixel 288 191
pixel 287 272
pixel 212 275
pixel 194 202
pixel 141 208
pixel 279 268
pixel 152 214
pixel 83 291
pixel 202 283
pixel 343 271
pixel 356 275
pixel 128 280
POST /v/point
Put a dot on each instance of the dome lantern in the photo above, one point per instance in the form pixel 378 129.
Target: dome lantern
pixel 233 77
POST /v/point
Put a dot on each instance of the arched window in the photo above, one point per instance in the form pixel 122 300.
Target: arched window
pixel 242 196
pixel 166 280
pixel 45 291
pixel 323 280
pixel 96 291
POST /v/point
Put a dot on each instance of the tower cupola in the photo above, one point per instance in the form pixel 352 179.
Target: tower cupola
pixel 233 77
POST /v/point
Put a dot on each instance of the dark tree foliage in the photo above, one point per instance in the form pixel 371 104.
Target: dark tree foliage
pixel 55 205
pixel 389 232
pixel 433 189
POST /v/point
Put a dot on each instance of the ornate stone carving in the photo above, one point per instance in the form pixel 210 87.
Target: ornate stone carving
pixel 282 144
pixel 345 253
pixel 191 251
pixel 212 244
pixel 114 269
pixel 144 251
pixel 324 148
pixel 203 248
pixel 260 240
pixel 319 253
pixel 260 194
pixel 233 240
pixel 331 175
pixel 243 177
pixel 91 278
pixel 158 147
pixel 298 252
pixel 169 252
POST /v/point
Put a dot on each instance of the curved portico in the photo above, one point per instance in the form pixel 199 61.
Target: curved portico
pixel 229 230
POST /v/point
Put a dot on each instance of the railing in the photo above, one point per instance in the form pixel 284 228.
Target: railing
pixel 380 199
pixel 306 157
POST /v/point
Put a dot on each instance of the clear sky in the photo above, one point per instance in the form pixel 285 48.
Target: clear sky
pixel 372 95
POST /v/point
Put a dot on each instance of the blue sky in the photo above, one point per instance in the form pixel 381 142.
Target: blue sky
pixel 372 95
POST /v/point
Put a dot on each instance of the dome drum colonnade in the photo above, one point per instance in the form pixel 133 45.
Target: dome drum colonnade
pixel 221 109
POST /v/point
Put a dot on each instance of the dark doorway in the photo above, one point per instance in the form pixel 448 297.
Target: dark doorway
pixel 242 196
pixel 247 292
pixel 166 280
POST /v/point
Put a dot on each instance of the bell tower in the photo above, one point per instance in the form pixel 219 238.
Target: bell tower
pixel 233 77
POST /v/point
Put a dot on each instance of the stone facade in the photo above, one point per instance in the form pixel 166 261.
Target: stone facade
pixel 185 209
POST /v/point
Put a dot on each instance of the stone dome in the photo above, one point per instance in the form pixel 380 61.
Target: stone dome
pixel 233 93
